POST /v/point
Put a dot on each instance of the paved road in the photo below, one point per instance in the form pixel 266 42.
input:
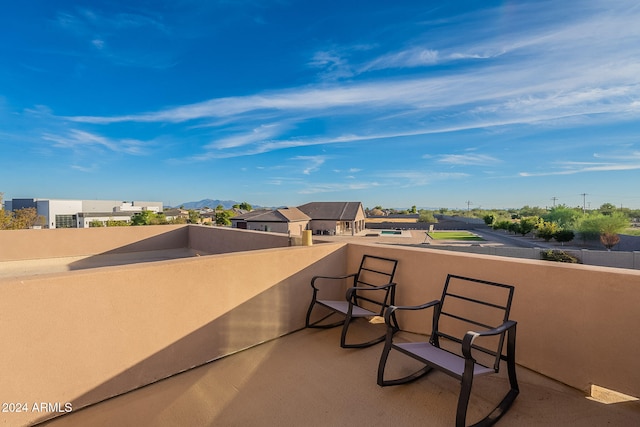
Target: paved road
pixel 513 240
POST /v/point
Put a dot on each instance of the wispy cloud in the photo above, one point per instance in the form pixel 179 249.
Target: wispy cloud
pixel 78 140
pixel 413 57
pixel 615 163
pixel 468 159
pixel 419 178
pixel 313 163
pixel 557 73
pixel 109 35
pixel 337 187
pixel 333 66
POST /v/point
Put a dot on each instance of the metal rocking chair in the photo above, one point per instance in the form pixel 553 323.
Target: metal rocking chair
pixel 465 303
pixel 372 291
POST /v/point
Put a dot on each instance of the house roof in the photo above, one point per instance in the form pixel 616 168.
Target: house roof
pixel 249 215
pixel 278 215
pixel 336 211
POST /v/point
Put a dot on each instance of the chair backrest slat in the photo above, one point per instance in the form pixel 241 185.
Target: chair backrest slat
pixel 376 271
pixel 473 304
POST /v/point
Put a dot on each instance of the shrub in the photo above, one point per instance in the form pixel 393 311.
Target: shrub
pixel 427 216
pixel 558 256
pixel 609 240
pixel 501 225
pixel 546 230
pixel 564 236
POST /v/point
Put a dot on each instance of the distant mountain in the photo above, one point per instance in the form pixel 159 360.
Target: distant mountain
pixel 210 203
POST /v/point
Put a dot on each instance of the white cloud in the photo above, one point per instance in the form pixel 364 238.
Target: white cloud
pixel 468 159
pixel 413 57
pixel 78 139
pixel 560 72
pixel 312 163
pixel 98 43
pixel 336 187
pixel 571 168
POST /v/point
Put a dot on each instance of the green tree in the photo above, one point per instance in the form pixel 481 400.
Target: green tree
pixel 244 206
pixel 514 227
pixel 143 218
pixel 177 220
pixel 562 215
pixel 607 208
pixel 563 236
pixel 24 218
pixel 502 224
pixel 527 210
pixel 223 217
pixel 194 216
pixel 527 225
pixel 117 223
pixel 546 230
pixel 427 216
pixel 604 227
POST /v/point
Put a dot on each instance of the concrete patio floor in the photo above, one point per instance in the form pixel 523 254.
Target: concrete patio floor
pixel 306 379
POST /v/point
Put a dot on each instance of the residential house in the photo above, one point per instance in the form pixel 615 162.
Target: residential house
pixel 335 217
pixel 291 221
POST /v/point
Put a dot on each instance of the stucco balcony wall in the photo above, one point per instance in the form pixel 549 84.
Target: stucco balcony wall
pixel 74 242
pixel 215 240
pixel 85 335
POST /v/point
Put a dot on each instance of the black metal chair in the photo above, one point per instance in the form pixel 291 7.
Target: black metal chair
pixel 466 303
pixel 371 292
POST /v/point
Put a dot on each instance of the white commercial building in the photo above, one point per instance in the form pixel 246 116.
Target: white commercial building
pixel 80 213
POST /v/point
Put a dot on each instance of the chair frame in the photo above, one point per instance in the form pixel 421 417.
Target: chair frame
pixel 461 366
pixel 360 291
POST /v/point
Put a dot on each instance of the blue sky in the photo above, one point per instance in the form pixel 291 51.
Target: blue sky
pixel 283 102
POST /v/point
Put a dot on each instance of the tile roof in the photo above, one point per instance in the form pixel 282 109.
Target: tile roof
pixel 338 211
pixel 278 215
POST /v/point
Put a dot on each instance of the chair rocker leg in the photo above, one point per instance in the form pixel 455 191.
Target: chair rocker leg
pixel 506 401
pixel 397 381
pixel 343 338
pixel 326 326
pixel 309 324
pixel 344 344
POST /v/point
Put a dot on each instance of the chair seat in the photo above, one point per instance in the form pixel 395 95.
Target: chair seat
pixel 443 359
pixel 343 307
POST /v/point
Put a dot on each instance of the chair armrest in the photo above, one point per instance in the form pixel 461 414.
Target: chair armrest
pixel 314 278
pixel 470 336
pixel 355 289
pixel 389 312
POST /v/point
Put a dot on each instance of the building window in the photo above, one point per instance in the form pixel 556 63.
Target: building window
pixel 65 221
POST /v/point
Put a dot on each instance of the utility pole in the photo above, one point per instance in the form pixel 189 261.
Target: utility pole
pixel 554 201
pixel 468 205
pixel 584 203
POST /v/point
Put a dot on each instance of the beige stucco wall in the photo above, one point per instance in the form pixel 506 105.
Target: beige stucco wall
pixel 70 242
pixel 17 245
pixel 576 323
pixel 216 240
pixel 83 336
